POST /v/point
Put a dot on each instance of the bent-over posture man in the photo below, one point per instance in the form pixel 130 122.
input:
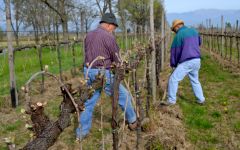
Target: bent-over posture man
pixel 101 42
pixel 185 58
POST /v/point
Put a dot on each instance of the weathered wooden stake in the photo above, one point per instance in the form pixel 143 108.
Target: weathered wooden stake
pixel 222 37
pixel 59 53
pixel 230 46
pixel 162 41
pixel 39 49
pixel 148 55
pixel 138 107
pixel 116 83
pixel 13 88
pixel 237 44
pixel 153 73
pixel 74 59
pixel 210 36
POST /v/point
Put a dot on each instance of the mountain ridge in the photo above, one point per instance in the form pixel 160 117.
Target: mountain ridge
pixel 194 18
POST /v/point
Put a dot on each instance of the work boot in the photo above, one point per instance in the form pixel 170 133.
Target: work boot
pixel 132 126
pixel 164 103
pixel 200 103
pixel 80 139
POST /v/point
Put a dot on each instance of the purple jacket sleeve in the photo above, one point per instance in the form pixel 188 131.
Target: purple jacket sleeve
pixel 172 58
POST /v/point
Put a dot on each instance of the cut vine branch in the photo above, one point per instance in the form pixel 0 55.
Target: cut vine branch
pixel 74 96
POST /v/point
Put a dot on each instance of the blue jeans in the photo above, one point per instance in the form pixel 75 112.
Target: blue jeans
pixel 86 115
pixel 190 68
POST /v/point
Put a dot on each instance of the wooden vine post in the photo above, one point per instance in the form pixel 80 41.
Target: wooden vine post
pixel 162 42
pixel 148 86
pixel 74 72
pixel 230 46
pixel 222 36
pixel 39 49
pixel 153 73
pixel 59 53
pixel 13 88
pixel 237 39
pixel 118 77
pixel 138 106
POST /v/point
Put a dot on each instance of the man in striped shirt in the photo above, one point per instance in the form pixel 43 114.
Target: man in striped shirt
pixel 101 42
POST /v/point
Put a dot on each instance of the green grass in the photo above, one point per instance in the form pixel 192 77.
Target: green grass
pixel 155 144
pixel 237 126
pixel 216 114
pixel 12 127
pixel 27 63
pixel 203 123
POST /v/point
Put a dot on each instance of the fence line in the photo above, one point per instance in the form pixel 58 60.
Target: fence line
pixel 223 42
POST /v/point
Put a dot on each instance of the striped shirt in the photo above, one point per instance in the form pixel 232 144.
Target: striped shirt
pixel 99 42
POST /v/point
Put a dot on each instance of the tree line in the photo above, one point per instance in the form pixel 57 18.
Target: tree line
pixel 48 18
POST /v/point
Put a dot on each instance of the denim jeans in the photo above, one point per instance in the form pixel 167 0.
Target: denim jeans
pixel 86 115
pixel 190 68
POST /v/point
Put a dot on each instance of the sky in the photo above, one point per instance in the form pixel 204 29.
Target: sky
pixel 179 6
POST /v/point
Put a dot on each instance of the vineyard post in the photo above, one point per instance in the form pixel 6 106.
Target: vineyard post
pixel 148 55
pixel 74 59
pixel 141 34
pixel 231 42
pixel 207 36
pixel 225 42
pixel 13 90
pixel 116 83
pixel 218 43
pixel 214 34
pixel 162 42
pixel 210 36
pixel 138 106
pixel 39 49
pixel 59 53
pixel 222 38
pixel 237 40
pixel 165 39
pixel 153 52
pixel 59 60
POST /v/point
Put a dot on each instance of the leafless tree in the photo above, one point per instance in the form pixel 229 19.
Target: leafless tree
pixel 18 20
pixel 75 17
pixel 101 8
pixel 104 5
pixel 59 7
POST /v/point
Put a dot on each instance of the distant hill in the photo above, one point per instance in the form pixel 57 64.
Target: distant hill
pixel 197 17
